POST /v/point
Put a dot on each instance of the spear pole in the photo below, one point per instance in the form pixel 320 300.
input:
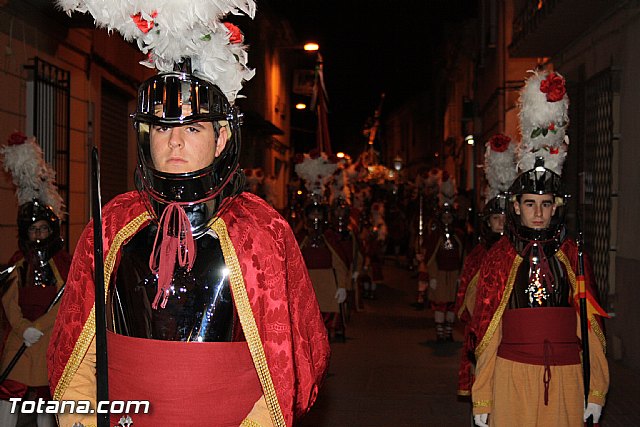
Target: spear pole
pixel 102 373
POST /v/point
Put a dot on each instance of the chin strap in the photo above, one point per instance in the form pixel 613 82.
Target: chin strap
pixel 176 243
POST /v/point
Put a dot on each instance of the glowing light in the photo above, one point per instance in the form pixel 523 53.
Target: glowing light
pixel 311 47
pixel 340 155
pixel 301 106
pixel 469 139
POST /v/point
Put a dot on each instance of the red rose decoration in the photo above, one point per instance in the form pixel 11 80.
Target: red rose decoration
pixel 553 86
pixel 142 23
pixel 235 35
pixel 16 138
pixel 299 158
pixel 552 126
pixel 554 150
pixel 499 143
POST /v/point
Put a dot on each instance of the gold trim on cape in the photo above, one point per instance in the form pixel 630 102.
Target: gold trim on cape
pixel 249 423
pixel 248 322
pixel 89 328
pixel 497 316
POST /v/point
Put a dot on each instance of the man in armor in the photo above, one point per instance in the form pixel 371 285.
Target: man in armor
pixel 41 265
pixel 328 271
pixel 442 258
pixel 499 169
pixel 528 354
pixel 41 270
pixel 211 315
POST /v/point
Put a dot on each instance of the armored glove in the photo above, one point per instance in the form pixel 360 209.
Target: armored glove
pixel 593 409
pixel 31 336
pixel 481 420
pixel 341 295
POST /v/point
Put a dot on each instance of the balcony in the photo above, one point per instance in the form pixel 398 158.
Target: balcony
pixel 544 27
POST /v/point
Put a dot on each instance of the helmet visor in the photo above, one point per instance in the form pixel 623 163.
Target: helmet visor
pixel 179 98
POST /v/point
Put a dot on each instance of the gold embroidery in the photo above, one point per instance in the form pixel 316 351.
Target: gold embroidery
pixel 248 322
pixel 482 404
pixel 249 423
pixel 89 328
pixel 597 393
pixel 595 327
pixel 497 316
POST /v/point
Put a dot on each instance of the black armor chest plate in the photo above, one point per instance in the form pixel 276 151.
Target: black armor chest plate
pixel 199 309
pixel 557 296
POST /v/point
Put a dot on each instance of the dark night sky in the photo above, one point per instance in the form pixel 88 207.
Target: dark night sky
pixel 370 47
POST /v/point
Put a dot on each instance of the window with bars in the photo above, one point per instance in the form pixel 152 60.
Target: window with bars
pixel 48 119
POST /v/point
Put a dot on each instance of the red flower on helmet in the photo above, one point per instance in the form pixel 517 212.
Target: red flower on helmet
pixel 235 35
pixel 16 138
pixel 552 126
pixel 144 25
pixel 554 87
pixel 499 142
pixel 554 150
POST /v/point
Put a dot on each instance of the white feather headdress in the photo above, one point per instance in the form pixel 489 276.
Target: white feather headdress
pixel 499 165
pixel 316 169
pixel 544 119
pixel 22 157
pixel 169 31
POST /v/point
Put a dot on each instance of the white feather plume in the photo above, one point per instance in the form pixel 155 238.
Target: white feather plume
pixel 499 167
pixel 316 172
pixel 448 192
pixel 177 29
pixel 543 125
pixel 31 175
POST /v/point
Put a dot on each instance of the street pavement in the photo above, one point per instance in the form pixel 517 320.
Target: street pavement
pixel 390 372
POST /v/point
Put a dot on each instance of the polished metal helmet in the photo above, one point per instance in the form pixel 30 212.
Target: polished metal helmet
pixel 28 214
pixel 177 99
pixel 538 180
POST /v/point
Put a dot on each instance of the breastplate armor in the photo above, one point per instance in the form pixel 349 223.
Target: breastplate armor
pixel 200 306
pixel 557 297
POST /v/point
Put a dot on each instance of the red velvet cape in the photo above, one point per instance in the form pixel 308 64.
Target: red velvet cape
pixel 280 294
pixel 494 276
pixel 470 269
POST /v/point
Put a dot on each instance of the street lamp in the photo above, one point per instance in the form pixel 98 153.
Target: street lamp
pixel 311 47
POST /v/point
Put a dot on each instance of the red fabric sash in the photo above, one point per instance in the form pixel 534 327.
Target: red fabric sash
pixel 185 383
pixel 540 336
